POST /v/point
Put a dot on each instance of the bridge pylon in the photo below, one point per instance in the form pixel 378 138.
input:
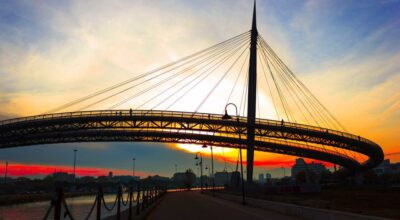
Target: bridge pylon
pixel 252 96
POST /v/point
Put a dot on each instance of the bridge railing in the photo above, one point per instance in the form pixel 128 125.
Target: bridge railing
pixel 303 146
pixel 157 113
pixel 135 204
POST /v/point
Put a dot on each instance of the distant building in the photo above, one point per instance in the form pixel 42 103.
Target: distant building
pixel 235 179
pixel 160 178
pixel 103 179
pixel 87 179
pixel 387 168
pixel 396 167
pixel 179 177
pixel 311 168
pixel 63 177
pixel 186 179
pixel 268 177
pixel 261 178
pixel 222 178
pixel 125 179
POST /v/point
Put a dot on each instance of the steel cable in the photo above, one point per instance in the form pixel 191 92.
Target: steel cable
pixel 219 81
pixel 173 76
pixel 174 85
pixel 274 55
pixel 312 96
pixel 236 80
pixel 270 91
pixel 206 76
pixel 244 95
pixel 102 91
pixel 179 89
pixel 290 91
pixel 277 88
pixel 286 77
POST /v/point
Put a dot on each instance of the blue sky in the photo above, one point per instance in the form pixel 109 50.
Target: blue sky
pixel 347 52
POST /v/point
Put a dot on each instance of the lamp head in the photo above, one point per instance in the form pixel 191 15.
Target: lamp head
pixel 204 146
pixel 226 116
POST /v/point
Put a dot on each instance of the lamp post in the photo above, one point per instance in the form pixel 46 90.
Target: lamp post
pixel 75 150
pixel 200 163
pixel 133 167
pixel 228 117
pixel 5 173
pixel 212 169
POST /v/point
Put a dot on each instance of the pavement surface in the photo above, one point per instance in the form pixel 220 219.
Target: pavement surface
pixel 194 205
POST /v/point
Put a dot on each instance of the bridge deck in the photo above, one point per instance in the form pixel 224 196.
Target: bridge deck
pixel 194 205
pixel 195 128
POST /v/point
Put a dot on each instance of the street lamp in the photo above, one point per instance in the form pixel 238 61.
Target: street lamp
pixel 5 173
pixel 212 168
pixel 200 163
pixel 228 117
pixel 75 150
pixel 208 170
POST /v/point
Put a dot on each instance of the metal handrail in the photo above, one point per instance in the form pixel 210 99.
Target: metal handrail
pixel 59 201
pixel 178 114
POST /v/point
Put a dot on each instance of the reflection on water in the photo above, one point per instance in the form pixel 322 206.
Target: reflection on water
pixel 79 207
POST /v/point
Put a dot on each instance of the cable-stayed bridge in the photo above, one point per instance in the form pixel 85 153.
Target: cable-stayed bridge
pixel 185 102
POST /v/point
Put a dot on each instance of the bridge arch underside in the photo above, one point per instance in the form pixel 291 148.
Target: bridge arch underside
pixel 180 127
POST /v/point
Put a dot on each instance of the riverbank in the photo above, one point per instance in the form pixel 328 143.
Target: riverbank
pixel 13 199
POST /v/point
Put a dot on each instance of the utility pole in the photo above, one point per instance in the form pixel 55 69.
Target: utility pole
pixel 212 171
pixel 5 173
pixel 75 150
pixel 252 97
pixel 199 162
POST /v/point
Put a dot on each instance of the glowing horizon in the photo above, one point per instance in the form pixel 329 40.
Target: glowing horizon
pixel 23 170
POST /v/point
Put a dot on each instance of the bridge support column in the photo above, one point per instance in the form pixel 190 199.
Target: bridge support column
pixel 252 97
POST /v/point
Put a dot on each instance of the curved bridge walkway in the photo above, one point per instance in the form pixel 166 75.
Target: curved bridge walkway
pixel 185 127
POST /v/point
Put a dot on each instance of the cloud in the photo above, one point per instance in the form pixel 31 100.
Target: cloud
pixel 368 93
pixel 87 46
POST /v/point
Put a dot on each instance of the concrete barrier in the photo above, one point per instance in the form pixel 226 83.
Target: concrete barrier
pixel 302 212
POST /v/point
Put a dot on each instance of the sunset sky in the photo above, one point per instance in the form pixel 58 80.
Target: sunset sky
pixel 52 52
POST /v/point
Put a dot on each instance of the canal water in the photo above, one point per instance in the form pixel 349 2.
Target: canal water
pixel 79 207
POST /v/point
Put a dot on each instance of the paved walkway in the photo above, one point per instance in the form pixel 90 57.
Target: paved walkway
pixel 194 205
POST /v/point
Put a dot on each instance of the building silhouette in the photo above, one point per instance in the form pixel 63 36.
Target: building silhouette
pixel 309 168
